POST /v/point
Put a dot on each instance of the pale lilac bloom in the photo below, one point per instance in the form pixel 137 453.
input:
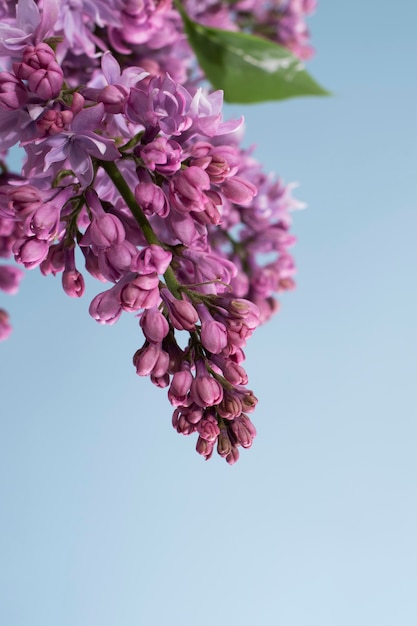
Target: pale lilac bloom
pixel 29 27
pixel 111 86
pixel 77 145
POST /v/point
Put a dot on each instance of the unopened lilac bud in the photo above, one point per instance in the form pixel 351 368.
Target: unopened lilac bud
pixel 162 154
pixel 238 190
pixel 54 121
pixel 30 252
pixel 182 314
pixel 244 310
pixel 113 97
pixel 224 446
pixel 142 292
pixel 106 231
pixel 152 199
pixel 151 359
pixel 91 264
pixel 47 83
pixel 73 283
pixel 181 423
pixel 208 428
pixel 55 260
pixel 205 390
pixel 105 307
pixel 233 456
pixel 180 386
pixel 13 93
pixel 235 373
pixel 34 57
pixel 160 381
pixel 187 189
pixel 24 197
pixel 151 259
pixel 213 336
pixel 241 430
pixel 44 222
pixel 154 325
pixel 249 401
pixel 231 405
pixel 205 448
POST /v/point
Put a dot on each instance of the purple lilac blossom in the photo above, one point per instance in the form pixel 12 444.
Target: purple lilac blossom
pixel 130 160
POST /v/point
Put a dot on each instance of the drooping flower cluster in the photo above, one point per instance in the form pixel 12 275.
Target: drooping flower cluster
pixel 130 162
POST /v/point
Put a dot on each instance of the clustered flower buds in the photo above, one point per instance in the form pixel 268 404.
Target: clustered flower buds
pixel 129 161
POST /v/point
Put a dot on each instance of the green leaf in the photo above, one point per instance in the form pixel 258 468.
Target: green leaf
pixel 246 67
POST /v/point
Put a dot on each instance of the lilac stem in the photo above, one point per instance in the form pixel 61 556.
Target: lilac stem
pixel 121 185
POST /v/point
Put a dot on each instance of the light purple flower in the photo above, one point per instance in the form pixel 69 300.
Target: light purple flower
pixel 78 145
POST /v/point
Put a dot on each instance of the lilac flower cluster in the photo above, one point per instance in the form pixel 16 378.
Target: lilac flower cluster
pixel 132 164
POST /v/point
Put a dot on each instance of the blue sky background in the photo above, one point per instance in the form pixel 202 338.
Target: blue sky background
pixel 109 517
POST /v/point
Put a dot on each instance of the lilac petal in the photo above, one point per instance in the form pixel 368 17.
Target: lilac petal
pixel 12 39
pixel 50 10
pixel 88 119
pixel 27 16
pixel 183 227
pixel 81 163
pixel 229 127
pixel 110 68
pixel 56 155
pixel 100 147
